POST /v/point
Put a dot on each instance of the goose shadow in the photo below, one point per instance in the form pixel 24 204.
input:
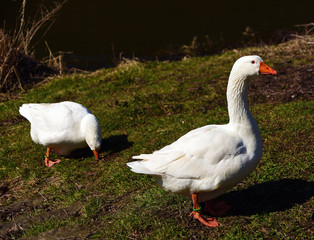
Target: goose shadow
pixel 110 145
pixel 269 197
pixel 115 144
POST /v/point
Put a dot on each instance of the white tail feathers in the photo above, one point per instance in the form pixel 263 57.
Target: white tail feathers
pixel 138 167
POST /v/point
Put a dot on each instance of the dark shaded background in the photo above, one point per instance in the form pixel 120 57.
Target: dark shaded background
pixel 95 31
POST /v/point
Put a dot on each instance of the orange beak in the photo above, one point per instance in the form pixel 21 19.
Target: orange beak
pixel 265 69
pixel 96 153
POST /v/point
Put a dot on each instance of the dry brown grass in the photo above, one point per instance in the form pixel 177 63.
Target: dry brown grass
pixel 18 68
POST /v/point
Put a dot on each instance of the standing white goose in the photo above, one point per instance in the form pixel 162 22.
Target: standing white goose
pixel 63 127
pixel 209 160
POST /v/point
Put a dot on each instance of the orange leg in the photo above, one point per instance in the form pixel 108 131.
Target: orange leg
pixel 48 161
pixel 210 222
pixel 96 153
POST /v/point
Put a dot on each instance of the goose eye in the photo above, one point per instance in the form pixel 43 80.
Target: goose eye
pixel 252 61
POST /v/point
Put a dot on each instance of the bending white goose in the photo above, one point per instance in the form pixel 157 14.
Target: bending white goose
pixel 63 127
pixel 209 160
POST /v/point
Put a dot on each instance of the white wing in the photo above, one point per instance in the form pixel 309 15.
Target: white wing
pixel 195 155
pixel 53 122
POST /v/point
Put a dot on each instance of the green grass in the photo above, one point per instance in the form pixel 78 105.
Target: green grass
pixel 154 103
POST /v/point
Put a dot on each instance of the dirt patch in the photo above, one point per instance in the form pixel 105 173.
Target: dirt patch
pixel 69 232
pixel 9 190
pixel 22 215
pixel 291 83
pixel 4 124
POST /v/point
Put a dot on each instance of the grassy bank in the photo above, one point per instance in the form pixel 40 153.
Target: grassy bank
pixel 141 107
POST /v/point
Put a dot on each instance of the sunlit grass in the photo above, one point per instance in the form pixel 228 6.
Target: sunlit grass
pixel 142 107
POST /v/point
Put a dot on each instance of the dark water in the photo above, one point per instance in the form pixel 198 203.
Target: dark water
pixel 97 30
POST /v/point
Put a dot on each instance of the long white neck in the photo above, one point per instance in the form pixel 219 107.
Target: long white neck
pixel 239 114
pixel 91 131
pixel 238 106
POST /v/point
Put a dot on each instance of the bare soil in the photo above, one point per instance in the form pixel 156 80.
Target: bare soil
pixel 289 84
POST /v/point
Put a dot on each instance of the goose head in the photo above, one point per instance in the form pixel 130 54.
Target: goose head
pixel 243 69
pixel 92 132
pixel 249 66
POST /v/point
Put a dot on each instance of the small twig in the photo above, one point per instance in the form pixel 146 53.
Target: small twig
pixel 18 78
pixel 6 76
pixel 45 199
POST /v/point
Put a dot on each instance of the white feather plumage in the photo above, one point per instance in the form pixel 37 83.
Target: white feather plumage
pixel 63 126
pixel 211 159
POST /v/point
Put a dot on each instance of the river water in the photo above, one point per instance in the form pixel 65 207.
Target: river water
pixel 95 32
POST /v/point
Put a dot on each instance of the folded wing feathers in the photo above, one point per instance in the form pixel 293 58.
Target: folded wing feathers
pixel 194 155
pixel 153 164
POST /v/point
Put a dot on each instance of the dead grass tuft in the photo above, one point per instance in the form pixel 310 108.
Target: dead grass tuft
pixel 18 67
pixel 126 64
